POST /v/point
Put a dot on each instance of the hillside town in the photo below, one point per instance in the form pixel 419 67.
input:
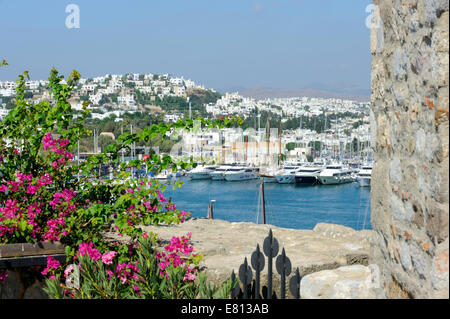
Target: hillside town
pixel 345 133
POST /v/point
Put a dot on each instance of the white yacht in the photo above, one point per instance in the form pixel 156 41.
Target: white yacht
pixel 287 174
pixel 218 174
pixel 164 174
pixel 201 172
pixel 308 175
pixel 240 174
pixel 268 175
pixel 335 174
pixel 364 175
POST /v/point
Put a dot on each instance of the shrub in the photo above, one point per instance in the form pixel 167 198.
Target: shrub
pixel 40 200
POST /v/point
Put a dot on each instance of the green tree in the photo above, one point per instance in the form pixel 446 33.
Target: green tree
pixel 290 146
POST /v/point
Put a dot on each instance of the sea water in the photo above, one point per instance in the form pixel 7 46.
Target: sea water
pixel 286 205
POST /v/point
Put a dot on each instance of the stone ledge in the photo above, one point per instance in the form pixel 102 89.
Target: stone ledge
pixel 224 245
pixel 347 282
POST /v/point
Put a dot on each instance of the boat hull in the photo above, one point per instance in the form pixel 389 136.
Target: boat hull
pixel 268 179
pixel 331 180
pixel 285 179
pixel 239 177
pixel 217 177
pixel 195 176
pixel 306 180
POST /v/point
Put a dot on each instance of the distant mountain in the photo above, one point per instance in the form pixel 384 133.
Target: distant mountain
pixel 360 95
pixel 231 89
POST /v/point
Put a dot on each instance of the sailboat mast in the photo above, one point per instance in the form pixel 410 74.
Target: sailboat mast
pixel 263 202
pixel 268 138
pixel 279 145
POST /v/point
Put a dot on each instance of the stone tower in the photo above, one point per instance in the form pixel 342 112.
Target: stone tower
pixel 410 111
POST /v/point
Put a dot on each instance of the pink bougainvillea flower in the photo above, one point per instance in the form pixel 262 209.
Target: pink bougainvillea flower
pixel 127 271
pixel 47 141
pixel 32 189
pixel 108 257
pixel 51 264
pixel 189 277
pixel 3 276
pixel 109 273
pixel 88 248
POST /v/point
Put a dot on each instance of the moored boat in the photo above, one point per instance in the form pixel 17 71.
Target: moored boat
pixel 163 175
pixel 240 174
pixel 218 173
pixel 364 176
pixel 201 172
pixel 335 174
pixel 308 175
pixel 287 174
pixel 268 175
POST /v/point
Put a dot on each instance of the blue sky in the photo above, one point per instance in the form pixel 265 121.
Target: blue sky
pixel 222 44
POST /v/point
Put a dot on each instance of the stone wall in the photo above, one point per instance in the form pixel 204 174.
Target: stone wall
pixel 410 200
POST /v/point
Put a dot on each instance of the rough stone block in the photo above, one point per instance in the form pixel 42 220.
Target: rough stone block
pixel 399 64
pixel 420 141
pixel 419 262
pixel 405 256
pixel 437 223
pixel 399 212
pixel 439 269
pixel 348 282
pixel 395 171
pixel 433 9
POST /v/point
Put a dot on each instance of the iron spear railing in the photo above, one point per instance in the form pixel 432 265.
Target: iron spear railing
pixel 249 288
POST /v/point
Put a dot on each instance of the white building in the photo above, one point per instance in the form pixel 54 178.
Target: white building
pixel 95 98
pixel 148 76
pixel 146 89
pixel 179 90
pixel 32 85
pixel 171 117
pixel 115 85
pixel 7 92
pixel 127 101
pixel 8 85
pixel 189 84
pixel 87 88
pixel 3 113
pixel 177 81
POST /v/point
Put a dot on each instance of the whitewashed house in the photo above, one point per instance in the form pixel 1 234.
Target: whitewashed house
pixel 146 89
pixel 177 81
pixel 179 90
pixel 127 101
pixel 32 85
pixel 95 98
pixel 88 88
